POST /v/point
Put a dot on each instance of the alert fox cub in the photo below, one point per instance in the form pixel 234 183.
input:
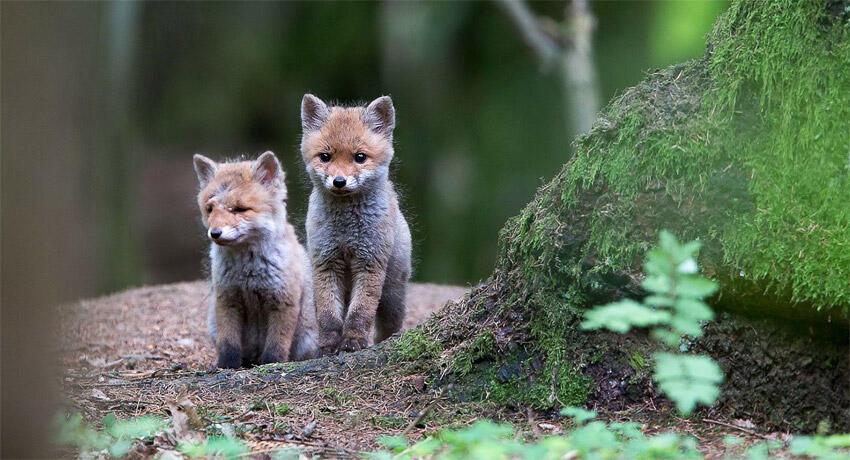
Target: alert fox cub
pixel 263 310
pixel 357 237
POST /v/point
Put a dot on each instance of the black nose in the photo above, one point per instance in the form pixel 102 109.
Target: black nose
pixel 339 182
pixel 215 233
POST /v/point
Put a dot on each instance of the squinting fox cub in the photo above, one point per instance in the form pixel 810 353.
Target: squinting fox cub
pixel 263 310
pixel 358 240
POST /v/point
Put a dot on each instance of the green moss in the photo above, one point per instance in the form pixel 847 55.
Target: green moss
pixel 566 386
pixel 774 106
pixel 414 345
pixel 469 352
pixel 746 149
pixel 266 369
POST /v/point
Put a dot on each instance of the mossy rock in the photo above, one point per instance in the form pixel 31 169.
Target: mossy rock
pixel 746 149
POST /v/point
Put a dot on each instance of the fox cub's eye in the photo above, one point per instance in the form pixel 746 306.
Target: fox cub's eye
pixel 359 157
pixel 209 208
pixel 240 209
pixel 325 157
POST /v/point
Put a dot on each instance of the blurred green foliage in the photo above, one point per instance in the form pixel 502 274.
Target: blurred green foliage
pixel 480 125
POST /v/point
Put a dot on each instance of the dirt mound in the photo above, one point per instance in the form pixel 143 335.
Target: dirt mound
pixel 160 326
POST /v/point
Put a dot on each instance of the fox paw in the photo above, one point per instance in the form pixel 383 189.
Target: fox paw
pixel 269 357
pixel 229 357
pixel 353 344
pixel 329 344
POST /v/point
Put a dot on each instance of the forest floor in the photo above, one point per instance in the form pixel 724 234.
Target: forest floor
pixel 132 353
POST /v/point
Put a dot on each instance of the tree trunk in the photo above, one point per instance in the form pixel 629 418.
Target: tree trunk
pixel 745 149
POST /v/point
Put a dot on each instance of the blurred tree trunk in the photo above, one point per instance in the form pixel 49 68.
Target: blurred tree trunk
pixel 567 47
pixel 48 237
pixel 115 166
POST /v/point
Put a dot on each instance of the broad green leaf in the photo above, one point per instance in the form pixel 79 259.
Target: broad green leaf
pixel 394 443
pixel 730 440
pixel 120 447
pixel 591 437
pixel 425 447
pixel 659 301
pixel 657 263
pixel 687 379
pixel 688 267
pixel 578 414
pixel 683 325
pixel 136 427
pixel 631 430
pixel 657 284
pixel 622 316
pixel 671 339
pixel 695 309
pixel 668 241
pixel 695 287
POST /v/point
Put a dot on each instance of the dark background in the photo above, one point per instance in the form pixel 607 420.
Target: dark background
pixel 104 103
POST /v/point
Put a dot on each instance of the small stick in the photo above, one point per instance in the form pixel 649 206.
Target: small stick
pixel 736 427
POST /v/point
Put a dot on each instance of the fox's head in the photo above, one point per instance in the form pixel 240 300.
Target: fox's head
pixel 241 202
pixel 347 150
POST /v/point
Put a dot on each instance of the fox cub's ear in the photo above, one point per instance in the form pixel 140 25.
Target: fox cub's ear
pixel 204 168
pixel 379 116
pixel 267 169
pixel 314 113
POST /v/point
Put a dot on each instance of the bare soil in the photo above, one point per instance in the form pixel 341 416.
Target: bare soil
pixel 132 353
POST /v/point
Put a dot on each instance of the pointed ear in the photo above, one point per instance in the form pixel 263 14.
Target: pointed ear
pixel 204 168
pixel 314 113
pixel 379 116
pixel 267 168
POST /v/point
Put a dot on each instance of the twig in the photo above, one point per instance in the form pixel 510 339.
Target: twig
pixel 736 427
pixel 572 51
pixel 422 414
pixel 546 48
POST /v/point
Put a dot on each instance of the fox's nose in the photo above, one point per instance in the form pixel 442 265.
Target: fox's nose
pixel 339 182
pixel 215 233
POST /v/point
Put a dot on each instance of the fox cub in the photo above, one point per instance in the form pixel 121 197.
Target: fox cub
pixel 358 239
pixel 263 310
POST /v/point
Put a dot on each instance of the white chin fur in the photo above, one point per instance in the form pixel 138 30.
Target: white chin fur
pixel 228 235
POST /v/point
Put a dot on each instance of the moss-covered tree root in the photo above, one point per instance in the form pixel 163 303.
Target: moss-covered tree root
pixel 746 149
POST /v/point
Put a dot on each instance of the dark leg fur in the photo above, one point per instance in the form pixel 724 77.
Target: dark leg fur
pixel 391 310
pixel 229 356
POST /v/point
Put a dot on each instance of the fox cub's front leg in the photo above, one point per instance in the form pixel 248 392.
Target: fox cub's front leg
pixel 281 330
pixel 228 342
pixel 327 291
pixel 366 292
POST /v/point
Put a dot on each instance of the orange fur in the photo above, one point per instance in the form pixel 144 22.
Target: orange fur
pixel 343 135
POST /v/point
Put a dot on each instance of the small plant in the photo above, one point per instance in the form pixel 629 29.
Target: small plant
pixel 338 397
pixel 487 440
pixel 116 438
pixel 215 446
pixel 282 409
pixel 674 309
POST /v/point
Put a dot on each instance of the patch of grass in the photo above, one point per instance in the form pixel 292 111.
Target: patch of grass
pixel 338 397
pixel 282 409
pixel 389 422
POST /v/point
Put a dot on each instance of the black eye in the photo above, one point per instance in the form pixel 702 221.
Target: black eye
pixel 359 157
pixel 240 209
pixel 325 157
pixel 209 208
